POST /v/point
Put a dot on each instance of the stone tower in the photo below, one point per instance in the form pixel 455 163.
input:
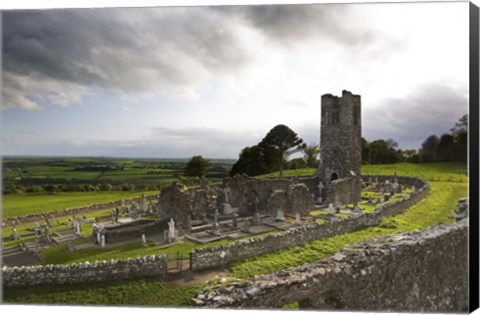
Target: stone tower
pixel 340 148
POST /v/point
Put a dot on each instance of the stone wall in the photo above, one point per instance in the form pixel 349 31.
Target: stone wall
pixel 128 232
pixel 244 189
pixel 346 190
pixel 98 271
pixel 71 211
pixel 216 256
pixel 419 271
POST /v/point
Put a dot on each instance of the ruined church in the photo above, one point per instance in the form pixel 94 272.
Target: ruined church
pixel 337 180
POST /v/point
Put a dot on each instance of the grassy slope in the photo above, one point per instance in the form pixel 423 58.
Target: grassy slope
pixel 447 183
pixel 21 204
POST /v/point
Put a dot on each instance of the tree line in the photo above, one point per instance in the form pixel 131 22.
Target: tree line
pixel 272 152
pixel 449 147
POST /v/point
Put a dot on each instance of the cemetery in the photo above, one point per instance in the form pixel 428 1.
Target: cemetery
pixel 245 217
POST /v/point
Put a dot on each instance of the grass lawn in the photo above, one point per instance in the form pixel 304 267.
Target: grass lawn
pixel 132 293
pixel 15 205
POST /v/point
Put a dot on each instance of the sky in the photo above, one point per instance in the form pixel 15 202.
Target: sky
pixel 174 82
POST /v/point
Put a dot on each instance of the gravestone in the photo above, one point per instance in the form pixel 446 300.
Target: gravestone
pixel 171 230
pixel 338 205
pixel 386 197
pixel 71 245
pixel 215 225
pixel 14 234
pixel 413 189
pixel 234 221
pixel 280 215
pixel 330 209
pixel 103 241
pixel 246 226
pixel 399 189
pixel 227 208
pixel 297 219
pixel 226 190
pixel 356 209
pixel 379 200
pixel 370 200
pixel 37 246
pixel 144 240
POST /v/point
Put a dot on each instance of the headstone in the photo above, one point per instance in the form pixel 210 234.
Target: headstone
pixel 246 226
pixel 356 208
pixel 234 221
pixel 369 180
pixel 99 237
pixel 338 205
pixel 171 229
pixel 399 189
pixel 330 208
pixel 386 197
pixel 144 240
pixel 376 181
pixel 370 199
pixel 71 245
pixel 14 233
pixel 77 228
pixel 45 234
pixel 103 241
pixel 122 207
pixel 297 219
pixel 392 193
pixel 226 190
pixel 280 215
pixel 227 208
pixel 37 247
pixel 413 189
pixel 379 200
pixel 256 217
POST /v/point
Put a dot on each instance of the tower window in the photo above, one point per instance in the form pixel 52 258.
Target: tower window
pixel 335 117
pixel 355 116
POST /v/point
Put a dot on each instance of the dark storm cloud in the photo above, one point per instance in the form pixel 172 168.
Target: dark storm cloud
pixel 121 50
pixel 433 109
pixel 290 23
pixel 145 50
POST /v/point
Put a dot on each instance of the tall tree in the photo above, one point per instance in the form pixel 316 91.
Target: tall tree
pixel 382 153
pixel 197 166
pixel 460 135
pixel 284 141
pixel 365 151
pixel 251 162
pixel 446 148
pixel 428 151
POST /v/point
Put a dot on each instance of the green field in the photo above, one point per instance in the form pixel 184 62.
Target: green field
pixel 447 183
pixel 15 205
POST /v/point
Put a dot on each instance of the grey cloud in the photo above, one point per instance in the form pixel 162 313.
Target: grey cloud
pixel 121 50
pixel 432 109
pixel 290 23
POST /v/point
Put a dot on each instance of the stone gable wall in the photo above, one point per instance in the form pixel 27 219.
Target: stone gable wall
pixel 98 271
